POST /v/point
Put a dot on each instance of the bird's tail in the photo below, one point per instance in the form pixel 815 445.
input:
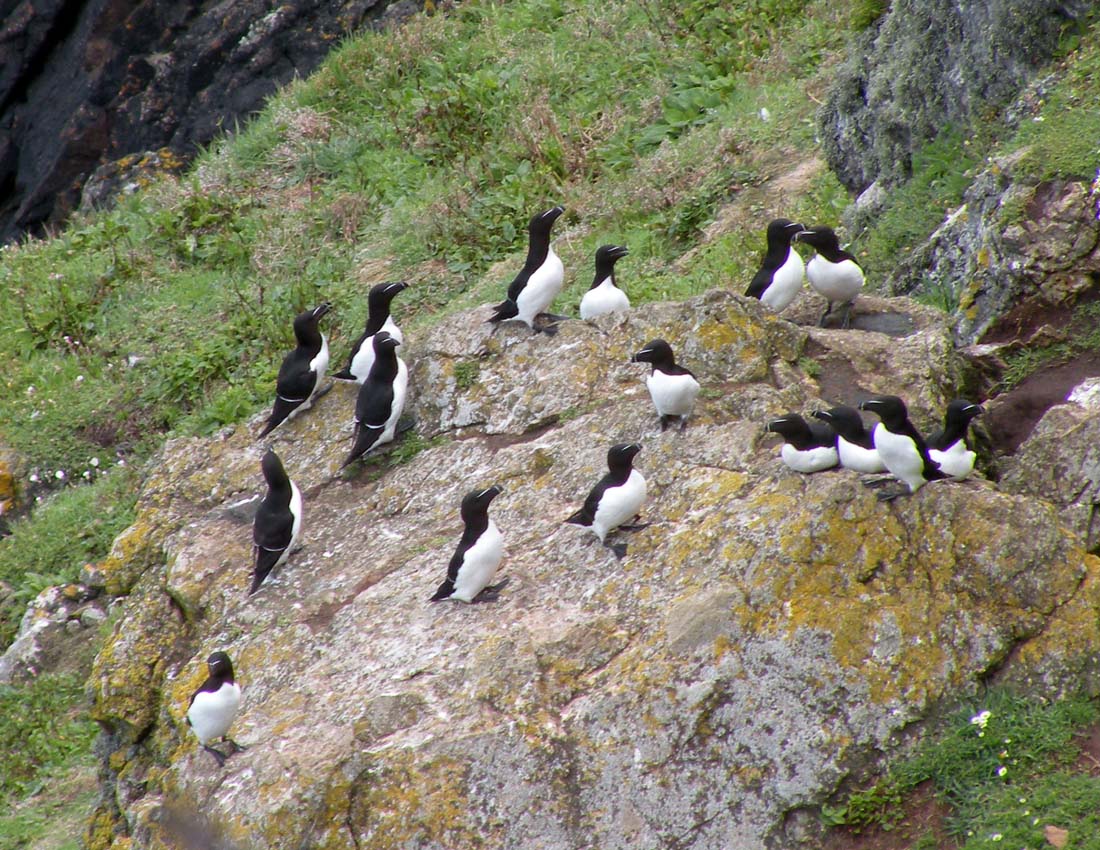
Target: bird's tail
pixel 581 517
pixel 506 309
pixel 365 438
pixel 444 591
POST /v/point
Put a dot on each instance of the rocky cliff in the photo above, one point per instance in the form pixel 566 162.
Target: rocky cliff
pixel 767 633
pixel 130 85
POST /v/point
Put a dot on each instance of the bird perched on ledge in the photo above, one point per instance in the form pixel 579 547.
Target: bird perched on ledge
pixel 539 281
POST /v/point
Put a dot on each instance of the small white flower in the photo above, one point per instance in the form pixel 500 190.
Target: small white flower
pixel 996 836
pixel 87 474
pixel 1002 770
pixel 30 390
pixel 59 475
pixel 94 461
pixel 80 379
pixel 33 478
pixel 981 719
pixel 765 114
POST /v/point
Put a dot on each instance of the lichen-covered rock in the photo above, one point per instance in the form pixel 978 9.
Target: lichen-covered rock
pixel 926 65
pixel 1060 462
pixel 1014 252
pixel 763 634
pixel 53 634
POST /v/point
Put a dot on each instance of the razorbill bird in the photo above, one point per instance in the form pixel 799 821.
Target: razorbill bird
pixel 604 296
pixel 900 445
pixel 302 370
pixel 540 279
pixel 807 446
pixel 478 555
pixel 214 706
pixel 278 520
pixel 672 388
pixel 832 273
pixel 381 398
pixel 854 447
pixel 780 275
pixel 617 497
pixel 378 319
pixel 948 447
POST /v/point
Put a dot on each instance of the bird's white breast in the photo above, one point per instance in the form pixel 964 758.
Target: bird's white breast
pixel 479 564
pixel 542 287
pixel 605 298
pixel 809 460
pixel 956 460
pixel 319 363
pixel 618 504
pixel 212 713
pixel 900 455
pixel 400 387
pixel 296 512
pixel 673 395
pixel 836 281
pixel 858 458
pixel 786 282
pixel 364 357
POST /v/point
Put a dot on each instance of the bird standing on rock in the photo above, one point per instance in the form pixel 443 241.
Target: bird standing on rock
pixel 900 446
pixel 780 276
pixel 617 497
pixel 214 706
pixel 539 281
pixel 381 398
pixel 948 447
pixel 832 272
pixel 302 370
pixel 672 387
pixel 479 553
pixel 278 521
pixel 604 296
pixel 808 446
pixel 378 319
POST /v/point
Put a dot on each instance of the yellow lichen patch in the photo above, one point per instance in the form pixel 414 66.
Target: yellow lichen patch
pixel 134 550
pixel 1074 630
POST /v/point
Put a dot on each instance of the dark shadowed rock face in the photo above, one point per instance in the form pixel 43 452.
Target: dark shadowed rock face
pixel 927 64
pixel 86 82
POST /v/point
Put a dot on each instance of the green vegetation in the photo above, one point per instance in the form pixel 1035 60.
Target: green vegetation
pixel 1080 335
pixel 1005 767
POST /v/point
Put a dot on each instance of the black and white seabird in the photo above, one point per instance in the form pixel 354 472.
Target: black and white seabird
pixel 672 388
pixel 900 445
pixel 616 498
pixel 539 281
pixel 807 446
pixel 479 553
pixel 948 447
pixel 604 296
pixel 381 398
pixel 780 275
pixel 854 447
pixel 833 273
pixel 302 370
pixel 278 520
pixel 214 707
pixel 378 319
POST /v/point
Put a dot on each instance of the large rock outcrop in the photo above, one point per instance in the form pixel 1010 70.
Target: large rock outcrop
pixel 87 82
pixel 926 65
pixel 767 632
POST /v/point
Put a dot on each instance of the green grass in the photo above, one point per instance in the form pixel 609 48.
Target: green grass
pixel 1004 765
pixel 1081 336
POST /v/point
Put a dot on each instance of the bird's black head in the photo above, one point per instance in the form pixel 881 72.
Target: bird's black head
pixel 274 472
pixel 960 412
pixel 382 294
pixel 782 230
pixel 476 502
pixel 621 455
pixel 542 222
pixel 822 238
pixel 789 426
pixel 305 323
pixel 845 420
pixel 606 257
pixel 384 341
pixel 219 665
pixel 889 408
pixel 656 351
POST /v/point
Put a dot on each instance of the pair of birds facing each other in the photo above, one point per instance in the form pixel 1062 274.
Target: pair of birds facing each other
pixel 832 272
pixel 540 280
pixel 894 445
